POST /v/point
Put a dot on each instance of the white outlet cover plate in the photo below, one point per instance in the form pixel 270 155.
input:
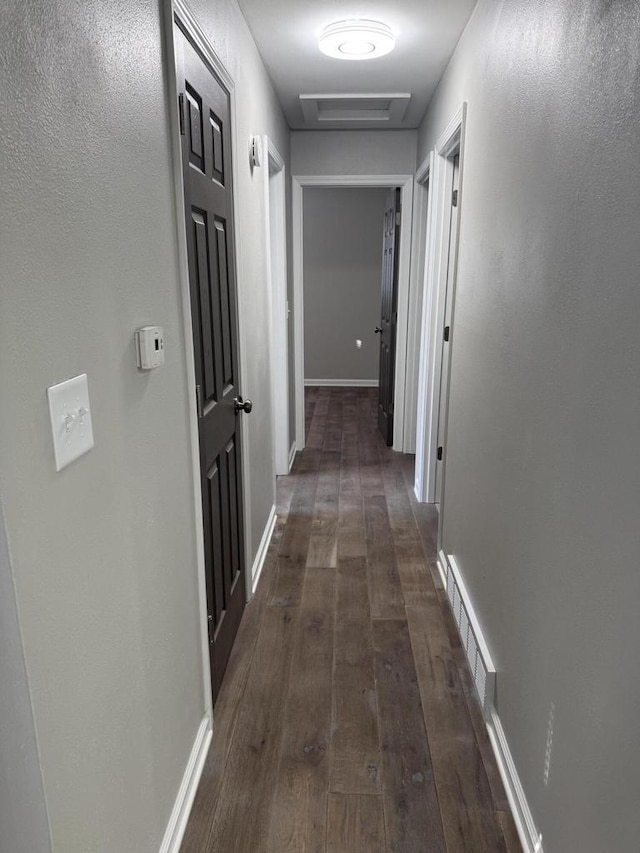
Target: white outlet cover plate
pixel 70 419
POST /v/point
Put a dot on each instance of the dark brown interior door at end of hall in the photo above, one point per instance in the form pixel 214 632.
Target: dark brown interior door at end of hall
pixel 206 166
pixel 389 314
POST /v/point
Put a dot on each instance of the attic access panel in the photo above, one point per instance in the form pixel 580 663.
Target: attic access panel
pixel 376 109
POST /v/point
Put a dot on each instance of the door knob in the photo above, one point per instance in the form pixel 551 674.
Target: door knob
pixel 242 405
pixel 377 330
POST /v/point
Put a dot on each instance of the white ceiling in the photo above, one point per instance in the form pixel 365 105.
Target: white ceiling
pixel 286 32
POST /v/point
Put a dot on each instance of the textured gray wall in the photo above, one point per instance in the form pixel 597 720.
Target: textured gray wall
pixel 23 814
pixel 103 553
pixel 353 152
pixel 342 275
pixel 542 486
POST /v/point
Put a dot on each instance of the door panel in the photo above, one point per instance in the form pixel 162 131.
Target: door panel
pixel 208 214
pixel 389 314
pixel 217 146
pixel 446 338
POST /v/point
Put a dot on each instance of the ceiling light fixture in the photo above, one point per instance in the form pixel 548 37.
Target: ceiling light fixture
pixel 356 40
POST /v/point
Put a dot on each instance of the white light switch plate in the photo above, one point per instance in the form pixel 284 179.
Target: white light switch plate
pixel 70 419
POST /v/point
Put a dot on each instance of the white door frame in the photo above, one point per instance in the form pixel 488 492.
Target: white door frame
pixel 424 227
pixel 439 169
pixel 414 426
pixel 276 242
pixel 405 182
pixel 171 10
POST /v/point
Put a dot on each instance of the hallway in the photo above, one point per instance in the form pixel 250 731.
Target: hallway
pixel 346 720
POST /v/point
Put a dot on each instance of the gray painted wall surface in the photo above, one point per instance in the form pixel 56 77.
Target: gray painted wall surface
pixel 103 553
pixel 353 152
pixel 23 813
pixel 342 274
pixel 542 487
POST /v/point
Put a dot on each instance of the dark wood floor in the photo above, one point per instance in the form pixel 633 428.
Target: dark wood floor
pixel 347 721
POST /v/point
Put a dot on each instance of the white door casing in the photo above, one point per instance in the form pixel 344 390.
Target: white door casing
pixel 420 253
pixel 440 175
pixel 276 241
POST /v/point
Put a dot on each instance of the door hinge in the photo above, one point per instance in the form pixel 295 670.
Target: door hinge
pixel 447 332
pixel 397 218
pixel 440 454
pixel 199 400
pixel 181 112
pixel 210 627
pixel 454 198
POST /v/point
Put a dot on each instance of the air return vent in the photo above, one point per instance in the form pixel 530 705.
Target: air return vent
pixel 323 110
pixel 471 637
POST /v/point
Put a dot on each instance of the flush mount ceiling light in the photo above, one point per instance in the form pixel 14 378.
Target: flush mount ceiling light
pixel 356 40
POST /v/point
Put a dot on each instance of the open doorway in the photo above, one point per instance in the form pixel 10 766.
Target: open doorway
pixel 404 183
pixel 342 267
pixel 442 172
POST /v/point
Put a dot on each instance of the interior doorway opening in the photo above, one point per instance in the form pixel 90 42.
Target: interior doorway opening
pixel 402 401
pixel 342 267
pixel 442 173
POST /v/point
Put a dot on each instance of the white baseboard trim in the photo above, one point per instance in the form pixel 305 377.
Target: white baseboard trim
pixel 341 383
pixel 292 455
pixel 258 563
pixel 471 634
pixel 186 795
pixel 530 838
pixel 442 568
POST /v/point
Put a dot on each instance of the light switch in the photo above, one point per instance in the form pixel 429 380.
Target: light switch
pixel 70 419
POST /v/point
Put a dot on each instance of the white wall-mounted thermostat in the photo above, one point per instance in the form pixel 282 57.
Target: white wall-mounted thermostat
pixel 149 347
pixel 256 151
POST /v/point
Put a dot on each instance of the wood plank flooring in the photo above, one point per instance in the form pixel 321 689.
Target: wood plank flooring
pixel 347 720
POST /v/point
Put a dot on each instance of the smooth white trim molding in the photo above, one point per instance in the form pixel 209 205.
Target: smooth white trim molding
pixel 530 838
pixel 292 455
pixel 341 383
pixel 188 787
pixel 263 547
pixel 473 617
pixel 440 172
pixel 424 169
pixel 274 182
pixel 182 11
pixel 442 567
pixel 423 218
pixel 413 426
pixel 405 182
pixel 471 634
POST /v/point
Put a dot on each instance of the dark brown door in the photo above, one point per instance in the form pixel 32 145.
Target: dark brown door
pixel 389 314
pixel 206 164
